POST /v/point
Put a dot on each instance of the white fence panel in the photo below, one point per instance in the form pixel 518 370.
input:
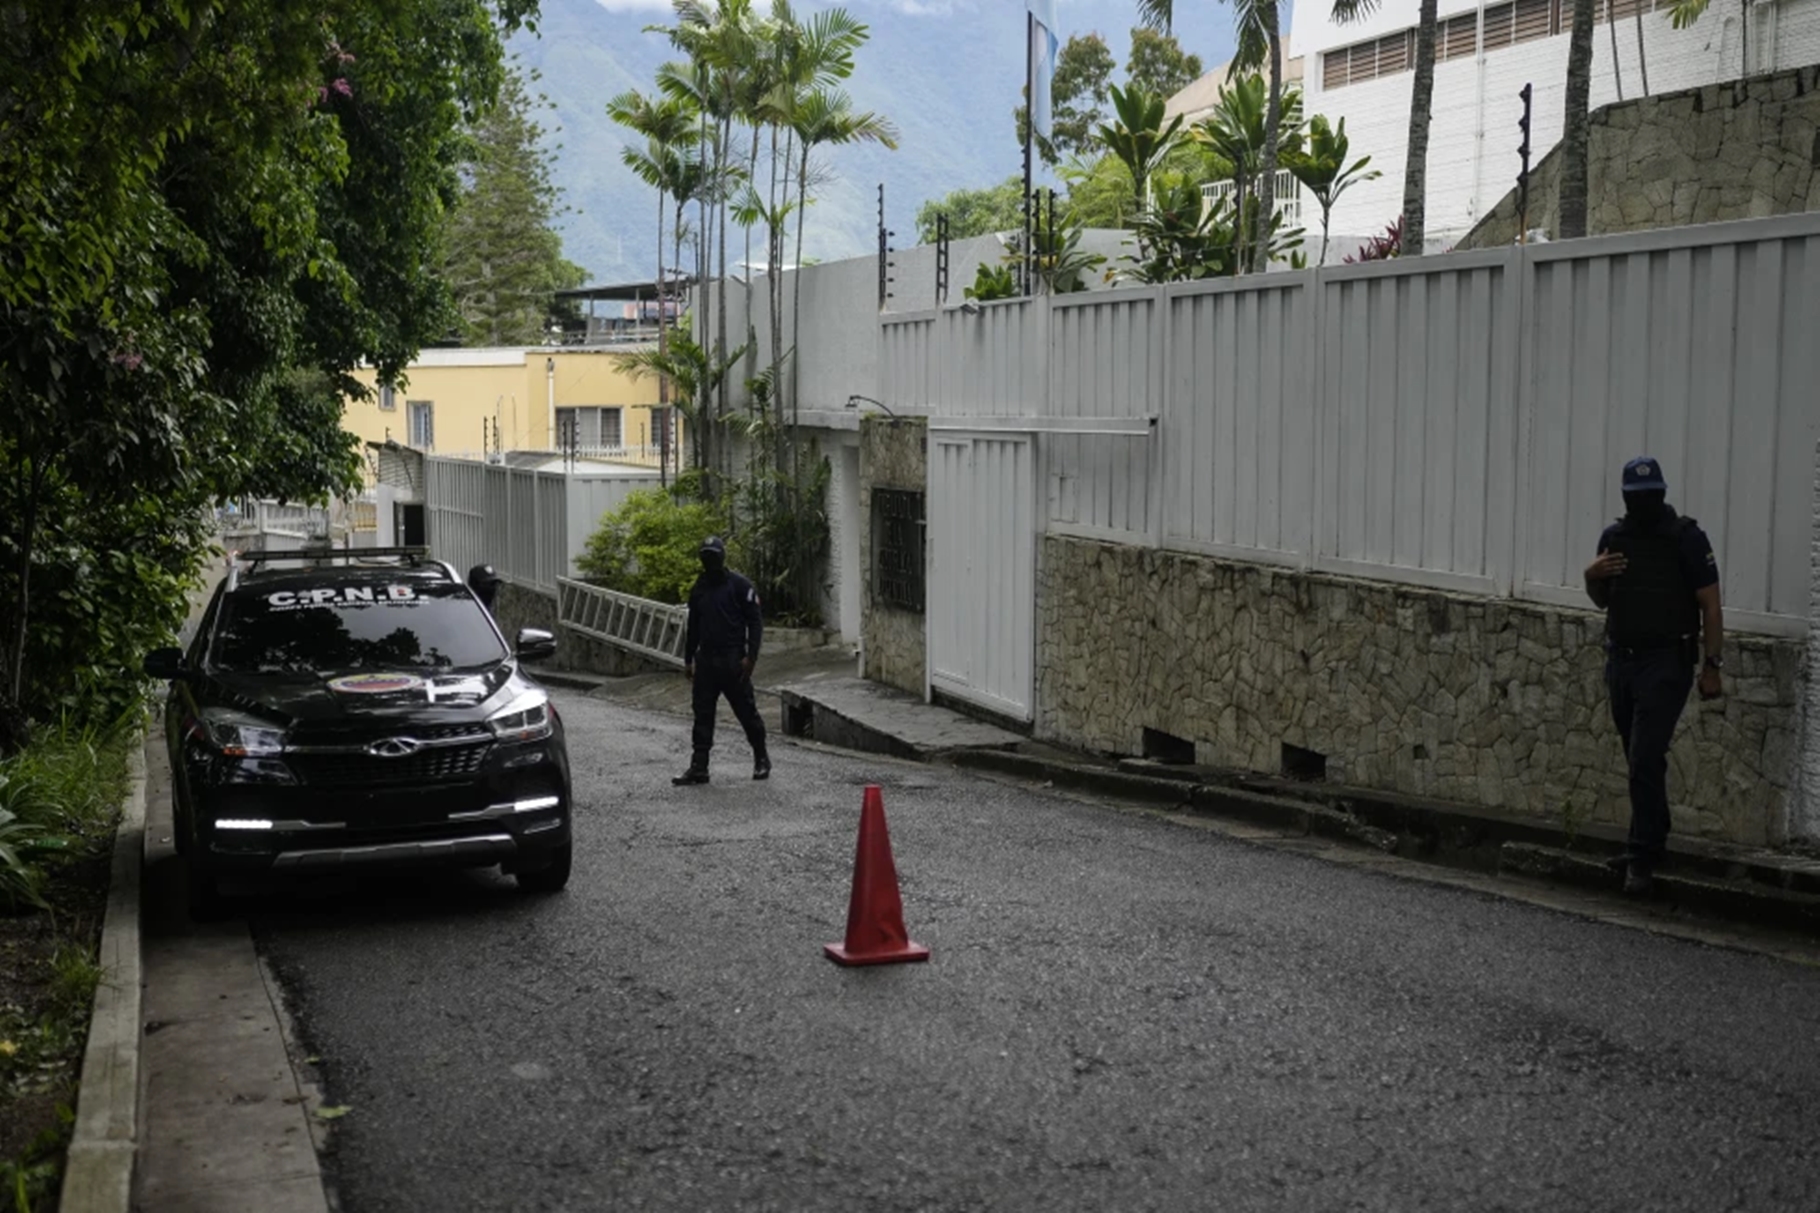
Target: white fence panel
pixel 1418 413
pixel 989 364
pixel 455 496
pixel 1105 360
pixel 1701 347
pixel 906 356
pixel 982 571
pixel 1237 438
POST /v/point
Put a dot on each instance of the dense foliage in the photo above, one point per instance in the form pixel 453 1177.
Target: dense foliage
pixel 215 211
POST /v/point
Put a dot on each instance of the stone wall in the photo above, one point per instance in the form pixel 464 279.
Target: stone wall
pixel 1747 149
pixel 893 453
pixel 1488 702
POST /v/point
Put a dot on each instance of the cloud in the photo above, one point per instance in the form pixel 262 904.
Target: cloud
pixel 635 6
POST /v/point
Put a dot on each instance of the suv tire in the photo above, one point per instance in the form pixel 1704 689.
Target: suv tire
pixel 552 876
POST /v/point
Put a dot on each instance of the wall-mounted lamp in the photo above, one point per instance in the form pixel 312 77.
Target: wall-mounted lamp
pixel 970 308
pixel 853 402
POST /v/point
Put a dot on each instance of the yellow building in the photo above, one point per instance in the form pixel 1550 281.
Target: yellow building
pixel 468 402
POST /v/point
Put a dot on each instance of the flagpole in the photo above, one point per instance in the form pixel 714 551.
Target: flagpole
pixel 1029 131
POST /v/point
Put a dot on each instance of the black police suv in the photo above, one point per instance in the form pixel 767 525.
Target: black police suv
pixel 360 708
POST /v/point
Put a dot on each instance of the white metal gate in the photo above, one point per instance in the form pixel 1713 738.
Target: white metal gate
pixel 982 569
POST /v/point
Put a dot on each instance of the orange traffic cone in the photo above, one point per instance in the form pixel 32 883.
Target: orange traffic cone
pixel 875 915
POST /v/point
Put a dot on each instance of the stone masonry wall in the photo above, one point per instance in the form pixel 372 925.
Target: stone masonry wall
pixel 893 453
pixel 1479 701
pixel 1747 149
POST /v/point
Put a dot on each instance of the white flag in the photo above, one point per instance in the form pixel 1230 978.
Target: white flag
pixel 1042 64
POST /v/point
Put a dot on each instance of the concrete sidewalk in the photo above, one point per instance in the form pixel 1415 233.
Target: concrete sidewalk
pixel 229 1122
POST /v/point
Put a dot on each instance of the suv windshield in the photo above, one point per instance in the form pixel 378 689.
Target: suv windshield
pixel 351 626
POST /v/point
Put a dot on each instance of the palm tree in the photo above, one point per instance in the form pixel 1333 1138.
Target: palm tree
pixel 1260 44
pixel 696 375
pixel 668 126
pixel 824 117
pixel 1139 138
pixel 1579 123
pixel 1421 109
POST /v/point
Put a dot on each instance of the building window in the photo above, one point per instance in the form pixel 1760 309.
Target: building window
pixel 388 398
pixel 591 428
pixel 897 548
pixel 1506 25
pixel 422 414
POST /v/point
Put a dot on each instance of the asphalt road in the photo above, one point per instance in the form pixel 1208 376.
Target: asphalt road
pixel 1121 1014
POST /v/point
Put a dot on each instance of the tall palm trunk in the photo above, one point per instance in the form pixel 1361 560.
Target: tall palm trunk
pixel 1273 115
pixel 1579 122
pixel 1642 58
pixel 1617 68
pixel 720 342
pixel 663 330
pixel 1421 106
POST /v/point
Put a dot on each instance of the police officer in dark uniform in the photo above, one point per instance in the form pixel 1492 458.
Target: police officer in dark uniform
pixel 484 582
pixel 1658 582
pixel 720 649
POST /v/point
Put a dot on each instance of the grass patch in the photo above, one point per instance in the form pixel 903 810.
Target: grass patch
pixel 59 806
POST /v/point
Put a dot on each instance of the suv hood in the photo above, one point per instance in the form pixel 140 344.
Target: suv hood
pixel 330 698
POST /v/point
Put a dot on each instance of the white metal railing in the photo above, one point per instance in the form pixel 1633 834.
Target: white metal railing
pixel 1288 195
pixel 651 629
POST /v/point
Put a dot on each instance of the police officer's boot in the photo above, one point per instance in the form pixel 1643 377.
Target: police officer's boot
pixel 761 764
pixel 697 772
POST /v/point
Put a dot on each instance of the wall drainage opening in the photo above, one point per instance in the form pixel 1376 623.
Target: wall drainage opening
pixel 1303 764
pixel 1165 747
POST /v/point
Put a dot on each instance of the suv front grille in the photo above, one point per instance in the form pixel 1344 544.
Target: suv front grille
pixel 438 764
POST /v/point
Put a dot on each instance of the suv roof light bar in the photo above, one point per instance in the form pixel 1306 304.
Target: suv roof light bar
pixel 416 555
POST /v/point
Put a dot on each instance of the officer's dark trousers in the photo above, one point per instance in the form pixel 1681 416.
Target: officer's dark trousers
pixel 1648 692
pixel 718 674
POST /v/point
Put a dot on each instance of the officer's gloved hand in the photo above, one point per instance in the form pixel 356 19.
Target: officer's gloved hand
pixel 745 667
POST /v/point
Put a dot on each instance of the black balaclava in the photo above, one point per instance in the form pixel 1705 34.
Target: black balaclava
pixel 714 560
pixel 1646 507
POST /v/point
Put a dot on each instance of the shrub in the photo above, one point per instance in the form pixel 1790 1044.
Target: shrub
pixel 58 796
pixel 648 546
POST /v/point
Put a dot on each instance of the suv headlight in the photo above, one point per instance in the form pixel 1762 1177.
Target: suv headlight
pixel 526 718
pixel 239 736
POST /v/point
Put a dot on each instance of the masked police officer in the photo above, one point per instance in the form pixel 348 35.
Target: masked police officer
pixel 1658 582
pixel 720 650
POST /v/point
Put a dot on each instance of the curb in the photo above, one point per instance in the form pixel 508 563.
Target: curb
pixel 98 1174
pixel 1715 879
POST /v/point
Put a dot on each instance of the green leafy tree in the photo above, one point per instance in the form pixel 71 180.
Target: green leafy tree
pixel 1077 96
pixel 1158 64
pixel 501 257
pixel 982 212
pixel 1099 192
pixel 1240 131
pixel 1323 171
pixel 1181 238
pixel 215 213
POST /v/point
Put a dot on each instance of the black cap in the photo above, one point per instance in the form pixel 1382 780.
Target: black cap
pixel 483 574
pixel 713 544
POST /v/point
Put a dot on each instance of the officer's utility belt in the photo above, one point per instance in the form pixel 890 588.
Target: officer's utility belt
pixel 1686 646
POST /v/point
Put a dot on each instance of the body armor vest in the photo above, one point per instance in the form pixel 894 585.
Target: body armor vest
pixel 1651 605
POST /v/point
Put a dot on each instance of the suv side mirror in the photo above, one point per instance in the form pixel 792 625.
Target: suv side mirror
pixel 534 644
pixel 165 664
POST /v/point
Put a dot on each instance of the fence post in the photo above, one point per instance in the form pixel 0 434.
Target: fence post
pixel 1319 374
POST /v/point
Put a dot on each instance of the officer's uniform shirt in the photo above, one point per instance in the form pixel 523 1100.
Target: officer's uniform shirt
pixel 723 618
pixel 1699 566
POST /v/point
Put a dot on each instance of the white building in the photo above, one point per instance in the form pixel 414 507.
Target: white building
pixel 1484 55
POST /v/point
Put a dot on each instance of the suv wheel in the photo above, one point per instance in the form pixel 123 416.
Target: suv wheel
pixel 552 876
